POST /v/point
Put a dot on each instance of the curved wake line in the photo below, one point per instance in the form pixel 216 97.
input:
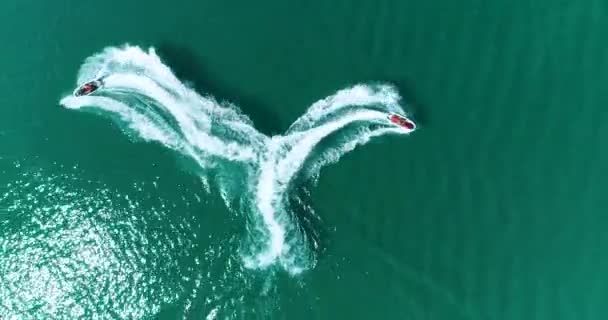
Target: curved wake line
pixel 194 125
pixel 278 170
pixel 147 100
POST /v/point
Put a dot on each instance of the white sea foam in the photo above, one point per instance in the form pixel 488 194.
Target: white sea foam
pixel 146 98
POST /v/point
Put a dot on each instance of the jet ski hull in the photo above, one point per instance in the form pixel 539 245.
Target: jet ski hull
pixel 88 88
pixel 402 122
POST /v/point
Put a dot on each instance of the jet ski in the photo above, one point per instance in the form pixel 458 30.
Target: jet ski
pixel 402 121
pixel 88 88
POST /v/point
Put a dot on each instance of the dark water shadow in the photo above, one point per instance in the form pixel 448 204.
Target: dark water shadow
pixel 188 67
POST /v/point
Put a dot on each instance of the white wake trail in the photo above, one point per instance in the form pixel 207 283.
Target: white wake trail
pixel 192 113
pixel 146 99
pixel 286 157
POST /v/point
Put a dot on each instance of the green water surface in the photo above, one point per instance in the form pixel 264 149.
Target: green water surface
pixel 494 209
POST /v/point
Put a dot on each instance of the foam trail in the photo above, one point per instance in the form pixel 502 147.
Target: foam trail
pixel 147 100
pixel 287 155
pixel 302 143
pixel 360 95
pixel 193 126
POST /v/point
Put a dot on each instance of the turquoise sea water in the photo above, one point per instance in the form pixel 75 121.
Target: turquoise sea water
pixel 183 191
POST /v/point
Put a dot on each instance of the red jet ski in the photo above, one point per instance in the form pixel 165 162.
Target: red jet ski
pixel 88 88
pixel 402 121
